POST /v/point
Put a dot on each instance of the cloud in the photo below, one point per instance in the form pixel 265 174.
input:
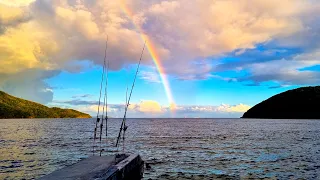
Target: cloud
pixel 151 108
pixel 223 110
pixel 17 3
pixel 278 86
pixel 82 96
pixel 210 109
pixel 48 35
pixel 144 106
pixel 76 102
pixel 260 54
pixel 285 71
pixel 29 84
pixel 235 108
pixel 11 15
pixel 78 30
pixel 281 59
pixel 93 109
pixel 150 76
pixel 147 106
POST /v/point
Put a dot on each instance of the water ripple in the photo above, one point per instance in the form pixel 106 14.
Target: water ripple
pixel 174 148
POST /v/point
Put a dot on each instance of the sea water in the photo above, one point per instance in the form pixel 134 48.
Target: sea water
pixel 241 148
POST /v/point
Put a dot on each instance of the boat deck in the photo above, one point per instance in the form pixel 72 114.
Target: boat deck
pixel 102 167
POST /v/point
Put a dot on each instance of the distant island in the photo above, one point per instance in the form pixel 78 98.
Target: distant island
pixel 300 103
pixel 13 107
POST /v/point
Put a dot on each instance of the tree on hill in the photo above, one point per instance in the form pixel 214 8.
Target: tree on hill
pixel 13 107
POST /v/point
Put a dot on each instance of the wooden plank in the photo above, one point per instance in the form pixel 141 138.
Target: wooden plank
pixel 104 167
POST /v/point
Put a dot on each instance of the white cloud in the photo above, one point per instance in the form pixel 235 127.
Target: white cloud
pixel 151 108
pixel 93 109
pixel 236 108
pixel 150 76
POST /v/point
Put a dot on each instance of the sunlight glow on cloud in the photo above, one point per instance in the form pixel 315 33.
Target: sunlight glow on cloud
pixel 149 106
pixel 17 2
pixel 10 14
pixel 236 108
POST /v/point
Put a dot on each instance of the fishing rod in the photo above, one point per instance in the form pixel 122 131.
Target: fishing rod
pixel 127 89
pixel 104 102
pixel 123 124
pixel 102 78
pixel 107 98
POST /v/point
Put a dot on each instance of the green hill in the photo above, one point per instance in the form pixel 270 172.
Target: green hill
pixel 13 107
pixel 300 103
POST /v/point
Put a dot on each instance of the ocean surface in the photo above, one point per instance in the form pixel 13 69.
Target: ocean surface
pixel 241 148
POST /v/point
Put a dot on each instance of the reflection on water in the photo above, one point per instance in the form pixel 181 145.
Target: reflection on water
pixel 32 148
pixel 284 149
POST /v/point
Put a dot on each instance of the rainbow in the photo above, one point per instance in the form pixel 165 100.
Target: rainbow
pixel 152 50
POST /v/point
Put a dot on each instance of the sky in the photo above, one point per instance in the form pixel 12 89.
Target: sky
pixel 203 58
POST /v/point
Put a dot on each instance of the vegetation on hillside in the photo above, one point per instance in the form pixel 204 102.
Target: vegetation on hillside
pixel 13 107
pixel 300 103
